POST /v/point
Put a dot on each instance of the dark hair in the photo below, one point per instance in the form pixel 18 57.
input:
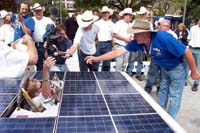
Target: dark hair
pixel 60 27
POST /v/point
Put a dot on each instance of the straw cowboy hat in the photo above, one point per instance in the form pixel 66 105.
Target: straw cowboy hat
pixel 37 6
pixel 86 19
pixel 139 26
pixel 3 13
pixel 142 10
pixel 126 11
pixel 106 9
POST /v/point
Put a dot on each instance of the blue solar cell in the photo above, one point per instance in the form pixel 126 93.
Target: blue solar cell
pixel 83 105
pixel 5 100
pixel 85 125
pixel 117 87
pixel 128 104
pixel 109 76
pixel 79 76
pixel 151 123
pixel 80 86
pixel 60 75
pixel 9 86
pixel 25 125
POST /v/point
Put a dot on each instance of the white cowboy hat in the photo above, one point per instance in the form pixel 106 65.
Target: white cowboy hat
pixel 86 19
pixel 3 13
pixel 126 11
pixel 157 22
pixel 139 26
pixel 37 6
pixel 142 10
pixel 106 9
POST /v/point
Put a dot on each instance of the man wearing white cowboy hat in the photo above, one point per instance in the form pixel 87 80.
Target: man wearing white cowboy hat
pixel 106 27
pixel 85 40
pixel 23 24
pixel 168 53
pixel 41 23
pixel 121 37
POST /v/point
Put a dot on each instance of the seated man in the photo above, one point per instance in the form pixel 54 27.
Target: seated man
pixel 39 91
pixel 14 60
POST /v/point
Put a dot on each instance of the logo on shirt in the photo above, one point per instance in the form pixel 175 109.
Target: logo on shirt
pixel 157 51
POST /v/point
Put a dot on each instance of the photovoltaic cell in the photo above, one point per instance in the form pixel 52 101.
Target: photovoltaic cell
pixel 128 104
pixel 109 76
pixel 5 100
pixel 9 86
pixel 80 87
pixel 113 86
pixel 79 76
pixel 36 125
pixel 150 123
pixel 85 125
pixel 83 105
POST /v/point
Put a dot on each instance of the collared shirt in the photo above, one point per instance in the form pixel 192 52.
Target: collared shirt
pixel 86 39
pixel 105 30
pixel 195 37
pixel 167 51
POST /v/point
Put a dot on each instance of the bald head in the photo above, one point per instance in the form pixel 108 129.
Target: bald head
pixel 165 25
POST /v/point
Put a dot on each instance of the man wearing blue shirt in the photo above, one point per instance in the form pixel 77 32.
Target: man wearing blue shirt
pixel 23 24
pixel 168 54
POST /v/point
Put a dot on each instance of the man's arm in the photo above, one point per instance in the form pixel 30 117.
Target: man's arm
pixel 127 40
pixel 110 55
pixel 192 65
pixel 46 88
pixel 71 50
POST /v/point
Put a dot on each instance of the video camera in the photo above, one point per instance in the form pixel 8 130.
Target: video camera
pixel 50 36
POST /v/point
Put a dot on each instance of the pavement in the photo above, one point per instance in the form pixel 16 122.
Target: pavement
pixel 189 114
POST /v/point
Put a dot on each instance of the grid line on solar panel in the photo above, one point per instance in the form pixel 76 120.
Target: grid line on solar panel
pixel 152 123
pixel 27 125
pixel 85 124
pixel 80 86
pixel 5 100
pixel 82 105
pixel 9 86
pixel 116 87
pixel 128 104
pixel 79 76
pixel 109 76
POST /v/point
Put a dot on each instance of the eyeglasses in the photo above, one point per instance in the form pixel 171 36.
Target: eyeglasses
pixel 105 12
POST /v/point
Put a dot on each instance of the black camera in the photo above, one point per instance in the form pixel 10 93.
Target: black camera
pixel 51 37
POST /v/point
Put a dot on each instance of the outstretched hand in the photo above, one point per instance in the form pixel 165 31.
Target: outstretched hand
pixel 90 59
pixel 50 61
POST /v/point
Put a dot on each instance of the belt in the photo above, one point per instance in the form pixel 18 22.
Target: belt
pixel 39 43
pixel 106 41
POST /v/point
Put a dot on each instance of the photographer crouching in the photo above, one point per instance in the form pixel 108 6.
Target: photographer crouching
pixel 57 46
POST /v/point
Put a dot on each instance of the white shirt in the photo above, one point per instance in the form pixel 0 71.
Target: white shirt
pixel 13 62
pixel 121 29
pixel 6 33
pixel 86 39
pixel 194 37
pixel 172 33
pixel 105 30
pixel 40 28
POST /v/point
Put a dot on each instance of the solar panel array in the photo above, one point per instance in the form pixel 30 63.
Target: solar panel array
pixel 94 102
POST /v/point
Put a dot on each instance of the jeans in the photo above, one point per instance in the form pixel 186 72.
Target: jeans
pixel 102 48
pixel 196 54
pixel 59 68
pixel 171 88
pixel 153 74
pixel 132 58
pixel 121 61
pixel 41 52
pixel 83 65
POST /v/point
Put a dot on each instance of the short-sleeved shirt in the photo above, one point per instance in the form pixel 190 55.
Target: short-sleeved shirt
pixel 13 62
pixel 167 51
pixel 86 39
pixel 29 22
pixel 7 33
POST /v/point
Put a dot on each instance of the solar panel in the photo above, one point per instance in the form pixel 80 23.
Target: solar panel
pixel 5 100
pixel 93 102
pixel 9 86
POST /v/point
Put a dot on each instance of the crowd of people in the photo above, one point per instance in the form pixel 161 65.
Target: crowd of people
pixel 127 38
